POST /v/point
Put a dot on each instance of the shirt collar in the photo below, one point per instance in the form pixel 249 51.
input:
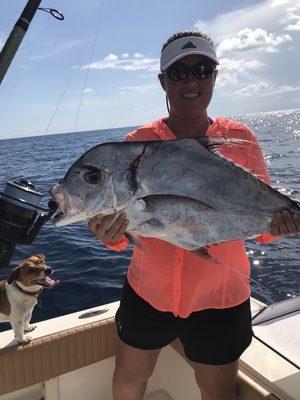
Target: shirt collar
pixel 162 130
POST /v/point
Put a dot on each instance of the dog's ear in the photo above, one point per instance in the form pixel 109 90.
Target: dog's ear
pixel 37 258
pixel 40 255
pixel 14 275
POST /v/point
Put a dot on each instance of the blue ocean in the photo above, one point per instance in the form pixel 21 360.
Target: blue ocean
pixel 90 274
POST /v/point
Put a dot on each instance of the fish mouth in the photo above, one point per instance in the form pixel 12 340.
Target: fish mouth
pixel 58 215
pixel 68 207
pixel 60 218
pixel 46 282
pixel 67 218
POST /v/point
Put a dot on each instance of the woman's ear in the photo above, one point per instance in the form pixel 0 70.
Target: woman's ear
pixel 161 78
pixel 215 75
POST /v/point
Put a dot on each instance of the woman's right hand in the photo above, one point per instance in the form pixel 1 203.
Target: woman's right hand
pixel 108 228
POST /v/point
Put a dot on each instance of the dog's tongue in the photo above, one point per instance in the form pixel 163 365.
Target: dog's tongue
pixel 51 282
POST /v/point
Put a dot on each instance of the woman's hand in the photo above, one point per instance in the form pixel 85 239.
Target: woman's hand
pixel 285 223
pixel 108 228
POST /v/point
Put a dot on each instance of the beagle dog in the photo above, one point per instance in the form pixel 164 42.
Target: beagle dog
pixel 19 294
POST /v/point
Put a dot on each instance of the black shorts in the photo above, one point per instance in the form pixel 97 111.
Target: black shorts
pixel 210 336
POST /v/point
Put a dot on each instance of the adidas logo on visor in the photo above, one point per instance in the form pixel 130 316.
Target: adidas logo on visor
pixel 188 45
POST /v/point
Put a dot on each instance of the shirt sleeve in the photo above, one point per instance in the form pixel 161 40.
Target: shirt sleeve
pixel 257 166
pixel 120 245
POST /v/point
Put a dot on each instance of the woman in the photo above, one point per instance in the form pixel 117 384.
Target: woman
pixel 170 292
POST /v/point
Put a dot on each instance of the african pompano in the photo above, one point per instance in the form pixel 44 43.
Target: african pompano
pixel 180 191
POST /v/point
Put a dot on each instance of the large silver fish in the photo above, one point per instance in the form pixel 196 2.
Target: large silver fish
pixel 180 191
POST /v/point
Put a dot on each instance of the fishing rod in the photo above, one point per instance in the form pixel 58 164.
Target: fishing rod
pixel 21 216
pixel 17 34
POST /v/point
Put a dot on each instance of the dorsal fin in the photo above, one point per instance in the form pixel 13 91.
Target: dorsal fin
pixel 211 142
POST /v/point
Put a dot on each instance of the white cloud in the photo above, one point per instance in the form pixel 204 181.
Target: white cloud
pixel 230 70
pixel 294 24
pixel 142 89
pixel 138 55
pixel 276 3
pixel 284 89
pixel 253 39
pixel 293 27
pixel 138 62
pixel 111 57
pixel 56 49
pixel 292 19
pixel 252 89
pixel 273 81
pixel 88 90
pixel 266 15
pixel 265 89
pixel 258 52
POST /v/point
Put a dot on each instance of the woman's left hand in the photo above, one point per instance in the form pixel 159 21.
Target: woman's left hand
pixel 285 223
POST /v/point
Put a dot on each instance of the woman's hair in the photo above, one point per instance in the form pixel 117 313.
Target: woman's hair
pixel 187 32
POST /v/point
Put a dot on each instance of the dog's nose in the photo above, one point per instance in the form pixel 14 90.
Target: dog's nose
pixel 48 271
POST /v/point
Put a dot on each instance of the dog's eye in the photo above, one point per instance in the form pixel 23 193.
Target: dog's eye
pixel 93 177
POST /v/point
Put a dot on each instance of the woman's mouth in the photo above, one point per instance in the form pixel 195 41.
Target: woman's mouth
pixel 193 95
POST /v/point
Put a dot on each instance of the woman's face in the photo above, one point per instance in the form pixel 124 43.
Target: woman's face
pixel 190 97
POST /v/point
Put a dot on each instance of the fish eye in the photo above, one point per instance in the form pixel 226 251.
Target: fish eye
pixel 93 177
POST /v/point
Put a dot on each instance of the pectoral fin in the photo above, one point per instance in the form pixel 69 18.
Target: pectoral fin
pixel 203 253
pixel 134 239
pixel 158 202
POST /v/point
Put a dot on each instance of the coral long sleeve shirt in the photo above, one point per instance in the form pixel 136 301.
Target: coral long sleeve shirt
pixel 173 279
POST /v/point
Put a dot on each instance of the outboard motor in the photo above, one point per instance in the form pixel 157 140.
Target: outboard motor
pixel 20 221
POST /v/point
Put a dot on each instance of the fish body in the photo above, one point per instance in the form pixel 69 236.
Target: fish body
pixel 179 191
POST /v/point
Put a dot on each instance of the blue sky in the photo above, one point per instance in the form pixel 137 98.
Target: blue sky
pixel 257 44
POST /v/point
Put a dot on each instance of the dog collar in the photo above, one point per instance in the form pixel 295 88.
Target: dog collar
pixel 35 294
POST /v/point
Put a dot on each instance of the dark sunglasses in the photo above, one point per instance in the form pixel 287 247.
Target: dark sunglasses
pixel 181 72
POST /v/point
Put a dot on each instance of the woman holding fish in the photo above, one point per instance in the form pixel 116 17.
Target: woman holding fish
pixel 171 292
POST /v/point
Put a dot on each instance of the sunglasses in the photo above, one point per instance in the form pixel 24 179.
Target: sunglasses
pixel 181 72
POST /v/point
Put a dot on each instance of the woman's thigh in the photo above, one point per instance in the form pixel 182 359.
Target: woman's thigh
pixel 133 363
pixel 217 381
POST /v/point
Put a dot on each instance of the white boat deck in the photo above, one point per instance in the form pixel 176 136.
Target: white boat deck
pixel 60 324
pixel 260 363
pixel 159 395
pixel 282 333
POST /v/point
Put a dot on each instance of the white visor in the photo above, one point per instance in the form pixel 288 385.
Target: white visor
pixel 186 46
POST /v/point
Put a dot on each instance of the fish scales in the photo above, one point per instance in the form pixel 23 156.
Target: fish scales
pixel 184 166
pixel 178 191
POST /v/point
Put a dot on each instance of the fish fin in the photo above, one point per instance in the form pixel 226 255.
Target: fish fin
pixel 258 176
pixel 146 201
pixel 202 252
pixel 133 239
pixel 213 143
pixel 140 204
